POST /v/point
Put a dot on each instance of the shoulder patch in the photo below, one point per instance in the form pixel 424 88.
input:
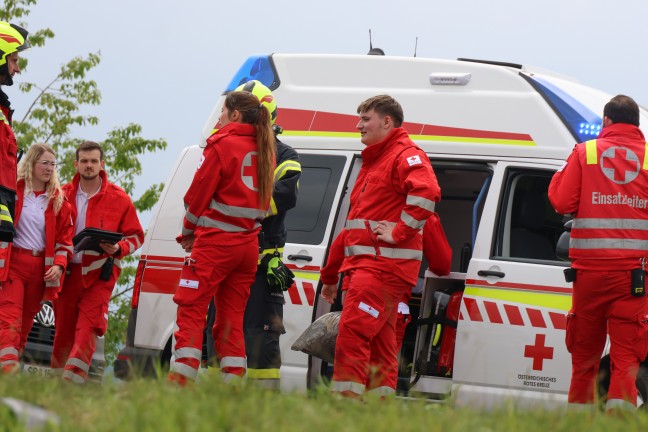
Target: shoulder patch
pixel 414 160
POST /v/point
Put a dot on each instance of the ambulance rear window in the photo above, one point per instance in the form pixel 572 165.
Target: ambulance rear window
pixel 582 122
pixel 255 68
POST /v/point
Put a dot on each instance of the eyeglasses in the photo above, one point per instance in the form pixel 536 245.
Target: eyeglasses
pixel 44 163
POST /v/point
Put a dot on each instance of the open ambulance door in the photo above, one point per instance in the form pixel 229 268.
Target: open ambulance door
pixel 310 229
pixel 511 328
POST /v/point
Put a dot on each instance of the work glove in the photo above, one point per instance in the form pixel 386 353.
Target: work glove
pixel 279 277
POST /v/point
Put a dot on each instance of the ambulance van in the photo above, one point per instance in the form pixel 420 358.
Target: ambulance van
pixel 494 328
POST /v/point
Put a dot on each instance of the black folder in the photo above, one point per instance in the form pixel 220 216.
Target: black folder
pixel 89 239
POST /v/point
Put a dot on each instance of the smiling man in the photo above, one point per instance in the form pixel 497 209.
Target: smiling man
pixel 392 198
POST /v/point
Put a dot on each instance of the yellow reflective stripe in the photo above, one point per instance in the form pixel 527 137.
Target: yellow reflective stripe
pixel 437 335
pixel 590 152
pixel 273 208
pixel 263 373
pixel 547 300
pixel 526 143
pixel 314 276
pixel 6 218
pixel 645 164
pixel 283 168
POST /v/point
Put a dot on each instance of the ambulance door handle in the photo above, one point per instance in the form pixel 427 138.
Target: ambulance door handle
pixel 486 273
pixel 300 257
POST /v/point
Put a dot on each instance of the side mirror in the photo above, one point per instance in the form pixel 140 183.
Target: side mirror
pixel 562 247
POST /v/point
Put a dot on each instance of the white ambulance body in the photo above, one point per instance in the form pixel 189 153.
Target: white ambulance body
pixel 495 134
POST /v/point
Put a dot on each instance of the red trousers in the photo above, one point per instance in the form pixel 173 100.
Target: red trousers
pixel 224 274
pixel 601 303
pixel 365 350
pixel 20 300
pixel 81 315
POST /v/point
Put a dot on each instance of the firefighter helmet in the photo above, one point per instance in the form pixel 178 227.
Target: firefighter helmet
pixel 264 95
pixel 12 38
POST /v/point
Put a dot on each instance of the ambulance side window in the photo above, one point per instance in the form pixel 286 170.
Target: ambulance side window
pixel 306 223
pixel 528 227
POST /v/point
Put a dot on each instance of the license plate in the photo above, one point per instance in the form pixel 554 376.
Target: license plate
pixel 37 370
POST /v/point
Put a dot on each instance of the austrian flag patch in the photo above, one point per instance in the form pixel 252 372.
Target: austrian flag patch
pixel 414 160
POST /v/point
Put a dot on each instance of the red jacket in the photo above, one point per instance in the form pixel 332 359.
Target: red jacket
pixel 109 209
pixel 222 202
pixel 8 151
pixel 436 249
pixel 396 183
pixel 59 230
pixel 603 184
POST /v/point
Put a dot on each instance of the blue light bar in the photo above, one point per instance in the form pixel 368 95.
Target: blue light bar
pixel 258 67
pixel 582 122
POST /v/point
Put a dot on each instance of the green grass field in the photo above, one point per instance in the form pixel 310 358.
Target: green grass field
pixel 154 405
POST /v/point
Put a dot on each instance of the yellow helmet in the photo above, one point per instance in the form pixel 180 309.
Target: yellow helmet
pixel 12 38
pixel 264 95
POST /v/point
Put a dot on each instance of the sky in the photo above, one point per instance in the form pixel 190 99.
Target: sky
pixel 165 63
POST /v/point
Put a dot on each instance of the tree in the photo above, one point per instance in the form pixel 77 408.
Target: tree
pixel 55 110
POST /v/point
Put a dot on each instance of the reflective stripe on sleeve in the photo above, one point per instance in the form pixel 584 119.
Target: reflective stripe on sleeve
pixel 412 222
pixel 234 211
pixel 418 201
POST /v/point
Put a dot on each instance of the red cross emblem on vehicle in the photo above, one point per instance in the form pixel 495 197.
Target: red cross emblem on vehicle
pixel 538 352
pixel 249 170
pixel 620 164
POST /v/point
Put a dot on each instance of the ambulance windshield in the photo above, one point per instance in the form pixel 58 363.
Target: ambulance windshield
pixel 583 123
pixel 255 68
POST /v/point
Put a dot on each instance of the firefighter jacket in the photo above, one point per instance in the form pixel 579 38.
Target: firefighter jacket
pixel 604 185
pixel 59 230
pixel 222 203
pixel 110 209
pixel 8 174
pixel 284 197
pixel 396 183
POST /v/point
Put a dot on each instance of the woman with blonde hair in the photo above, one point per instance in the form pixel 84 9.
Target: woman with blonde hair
pixel 39 253
pixel 228 197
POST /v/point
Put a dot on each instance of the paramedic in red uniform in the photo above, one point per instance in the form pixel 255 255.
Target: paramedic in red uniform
pixel 81 311
pixel 604 185
pixel 13 39
pixel 392 198
pixel 39 253
pixel 228 197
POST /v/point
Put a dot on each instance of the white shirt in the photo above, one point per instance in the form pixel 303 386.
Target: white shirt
pixel 82 199
pixel 30 231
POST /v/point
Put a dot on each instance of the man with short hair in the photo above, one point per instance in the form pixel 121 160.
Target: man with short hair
pixel 603 184
pixel 81 310
pixel 393 196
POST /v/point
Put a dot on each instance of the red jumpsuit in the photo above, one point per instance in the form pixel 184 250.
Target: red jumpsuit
pixel 396 183
pixel 81 311
pixel 224 215
pixel 8 174
pixel 608 239
pixel 22 293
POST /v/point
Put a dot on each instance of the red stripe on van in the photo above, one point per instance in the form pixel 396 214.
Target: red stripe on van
pixel 306 120
pixel 473 309
pixel 535 316
pixel 294 295
pixel 310 292
pixel 558 320
pixel 493 312
pixel 160 280
pixel 513 314
pixel 174 259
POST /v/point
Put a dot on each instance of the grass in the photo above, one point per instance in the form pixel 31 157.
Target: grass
pixel 155 405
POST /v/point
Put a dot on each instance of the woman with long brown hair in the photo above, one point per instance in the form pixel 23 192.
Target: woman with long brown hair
pixel 228 197
pixel 39 253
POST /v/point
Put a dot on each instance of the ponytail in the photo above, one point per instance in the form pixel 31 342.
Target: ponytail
pixel 265 155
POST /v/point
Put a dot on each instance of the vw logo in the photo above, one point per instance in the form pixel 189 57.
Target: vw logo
pixel 46 316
